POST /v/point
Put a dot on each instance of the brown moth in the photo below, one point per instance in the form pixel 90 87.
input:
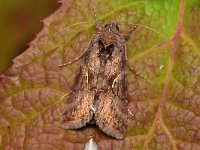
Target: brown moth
pixel 99 92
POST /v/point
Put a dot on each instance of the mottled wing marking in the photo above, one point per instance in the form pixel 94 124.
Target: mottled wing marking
pixel 109 117
pixel 111 104
pixel 78 112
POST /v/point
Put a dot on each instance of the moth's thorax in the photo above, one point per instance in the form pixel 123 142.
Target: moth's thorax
pixel 110 34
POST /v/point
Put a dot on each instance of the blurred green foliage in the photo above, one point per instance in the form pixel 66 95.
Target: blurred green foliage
pixel 19 24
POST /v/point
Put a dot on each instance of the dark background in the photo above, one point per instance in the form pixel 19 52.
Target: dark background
pixel 19 24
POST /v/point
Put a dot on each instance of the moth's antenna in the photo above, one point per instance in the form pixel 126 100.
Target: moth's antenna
pixel 95 15
pixel 81 22
pixel 152 30
pixel 138 24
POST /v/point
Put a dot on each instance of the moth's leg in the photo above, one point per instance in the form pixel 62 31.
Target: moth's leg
pixel 119 76
pixel 130 112
pixel 128 34
pixel 87 81
pixel 61 99
pixel 87 78
pixel 92 108
pixel 65 95
pixel 133 71
pixel 73 61
pixel 114 81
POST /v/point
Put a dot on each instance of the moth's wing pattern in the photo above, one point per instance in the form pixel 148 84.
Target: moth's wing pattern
pixel 111 103
pixel 77 113
pixel 111 112
pixel 109 116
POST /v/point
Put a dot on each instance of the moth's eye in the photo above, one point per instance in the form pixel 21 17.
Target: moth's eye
pixel 117 27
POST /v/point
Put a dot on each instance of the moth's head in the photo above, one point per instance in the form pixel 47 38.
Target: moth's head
pixel 109 33
pixel 111 26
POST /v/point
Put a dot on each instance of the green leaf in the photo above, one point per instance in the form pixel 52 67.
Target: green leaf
pixel 165 105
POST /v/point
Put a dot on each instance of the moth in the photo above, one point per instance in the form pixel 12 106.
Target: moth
pixel 99 92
